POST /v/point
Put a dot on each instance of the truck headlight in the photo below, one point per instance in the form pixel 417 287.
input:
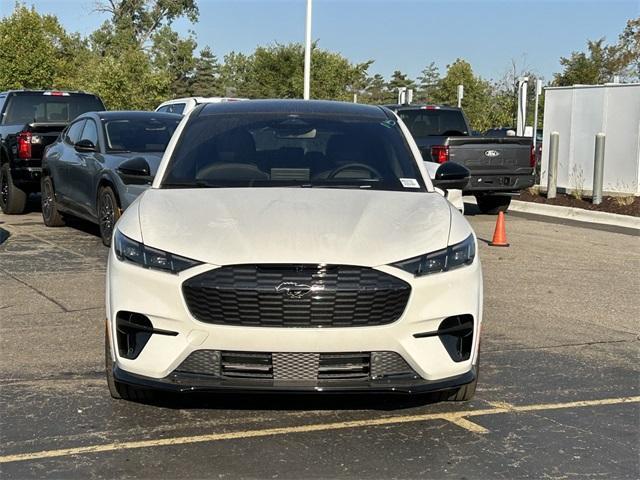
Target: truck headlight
pixel 454 256
pixel 128 250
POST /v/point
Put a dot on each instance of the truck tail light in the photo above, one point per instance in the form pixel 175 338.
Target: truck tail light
pixel 440 153
pixel 532 157
pixel 24 145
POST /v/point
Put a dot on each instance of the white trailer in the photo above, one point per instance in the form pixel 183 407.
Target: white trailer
pixel 578 113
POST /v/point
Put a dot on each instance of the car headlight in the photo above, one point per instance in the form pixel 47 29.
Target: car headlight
pixel 454 256
pixel 128 250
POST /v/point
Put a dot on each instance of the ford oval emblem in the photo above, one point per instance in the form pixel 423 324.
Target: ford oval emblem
pixel 491 153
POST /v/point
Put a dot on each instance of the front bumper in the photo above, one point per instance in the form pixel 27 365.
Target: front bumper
pixel 158 296
pixel 182 382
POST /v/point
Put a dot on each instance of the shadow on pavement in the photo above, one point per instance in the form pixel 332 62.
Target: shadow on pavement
pixel 289 401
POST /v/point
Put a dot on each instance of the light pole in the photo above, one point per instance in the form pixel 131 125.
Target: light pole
pixel 522 106
pixel 307 54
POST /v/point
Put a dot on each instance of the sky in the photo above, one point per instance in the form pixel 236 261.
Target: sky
pixel 401 35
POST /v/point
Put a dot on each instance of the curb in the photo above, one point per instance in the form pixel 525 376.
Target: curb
pixel 577 214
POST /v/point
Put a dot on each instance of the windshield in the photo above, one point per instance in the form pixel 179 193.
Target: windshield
pixel 42 108
pixel 304 150
pixel 139 135
pixel 426 123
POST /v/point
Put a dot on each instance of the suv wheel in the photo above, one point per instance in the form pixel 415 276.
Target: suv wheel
pixel 464 393
pixel 108 213
pixel 13 200
pixel 493 204
pixel 50 214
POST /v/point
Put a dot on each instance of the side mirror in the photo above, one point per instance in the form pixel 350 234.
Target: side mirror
pixel 85 146
pixel 135 171
pixel 451 176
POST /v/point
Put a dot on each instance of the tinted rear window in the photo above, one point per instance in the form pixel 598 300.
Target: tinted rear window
pixel 425 123
pixel 281 149
pixel 176 108
pixel 41 108
pixel 139 134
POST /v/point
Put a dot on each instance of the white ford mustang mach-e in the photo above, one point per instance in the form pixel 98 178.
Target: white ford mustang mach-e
pixel 294 246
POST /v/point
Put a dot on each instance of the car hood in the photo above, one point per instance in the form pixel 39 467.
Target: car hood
pixel 294 225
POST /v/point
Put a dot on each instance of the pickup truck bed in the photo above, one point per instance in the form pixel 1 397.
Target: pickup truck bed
pixel 496 164
pixel 31 120
pixel 499 167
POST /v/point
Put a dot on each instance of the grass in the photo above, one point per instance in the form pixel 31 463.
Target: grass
pixel 624 201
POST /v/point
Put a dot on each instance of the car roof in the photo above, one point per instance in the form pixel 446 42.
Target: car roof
pixel 315 107
pixel 422 106
pixel 29 91
pixel 200 100
pixel 133 115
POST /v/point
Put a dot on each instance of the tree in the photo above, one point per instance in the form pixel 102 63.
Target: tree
pixel 234 73
pixel 276 71
pixel 126 81
pixel 597 66
pixel 477 93
pixel 629 50
pixel 376 90
pixel 36 51
pixel 504 105
pixel 174 55
pixel 399 79
pixel 142 18
pixel 428 82
pixel 206 80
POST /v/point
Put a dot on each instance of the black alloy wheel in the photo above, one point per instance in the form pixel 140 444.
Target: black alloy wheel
pixel 108 214
pixel 13 200
pixel 50 214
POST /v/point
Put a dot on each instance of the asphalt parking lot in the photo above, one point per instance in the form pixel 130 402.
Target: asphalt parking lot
pixel 558 396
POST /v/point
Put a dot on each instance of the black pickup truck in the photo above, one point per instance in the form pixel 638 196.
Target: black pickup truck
pixel 30 120
pixel 499 167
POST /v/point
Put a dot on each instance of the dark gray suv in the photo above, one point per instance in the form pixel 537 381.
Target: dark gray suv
pixel 100 163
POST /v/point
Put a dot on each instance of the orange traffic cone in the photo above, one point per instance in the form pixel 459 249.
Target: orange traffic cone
pixel 500 233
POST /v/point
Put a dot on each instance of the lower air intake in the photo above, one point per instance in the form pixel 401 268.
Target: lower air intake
pixel 308 367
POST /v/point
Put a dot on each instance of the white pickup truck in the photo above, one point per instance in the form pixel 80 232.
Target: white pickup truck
pixel 183 106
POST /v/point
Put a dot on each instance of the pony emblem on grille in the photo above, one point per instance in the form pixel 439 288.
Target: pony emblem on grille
pixel 297 290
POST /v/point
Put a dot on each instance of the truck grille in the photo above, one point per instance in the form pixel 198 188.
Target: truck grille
pixel 296 296
pixel 311 367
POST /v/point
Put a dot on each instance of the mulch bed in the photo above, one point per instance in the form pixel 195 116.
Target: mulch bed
pixel 609 204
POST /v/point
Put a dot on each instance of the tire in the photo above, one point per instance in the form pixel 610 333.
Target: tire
pixel 50 214
pixel 108 213
pixel 463 393
pixel 13 200
pixel 117 390
pixel 493 204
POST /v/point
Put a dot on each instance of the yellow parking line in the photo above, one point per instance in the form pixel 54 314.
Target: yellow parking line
pixel 468 425
pixel 458 418
pixel 504 405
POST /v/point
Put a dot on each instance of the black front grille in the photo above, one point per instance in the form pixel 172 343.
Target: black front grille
pixel 294 366
pixel 296 296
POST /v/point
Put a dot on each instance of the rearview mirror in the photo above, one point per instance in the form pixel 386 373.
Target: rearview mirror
pixel 85 146
pixel 451 176
pixel 135 171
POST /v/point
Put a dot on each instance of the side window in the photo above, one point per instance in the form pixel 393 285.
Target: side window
pixel 176 108
pixel 2 101
pixel 164 109
pixel 90 132
pixel 73 133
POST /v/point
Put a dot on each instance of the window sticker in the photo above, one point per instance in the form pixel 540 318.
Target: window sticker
pixel 409 183
pixel 388 123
